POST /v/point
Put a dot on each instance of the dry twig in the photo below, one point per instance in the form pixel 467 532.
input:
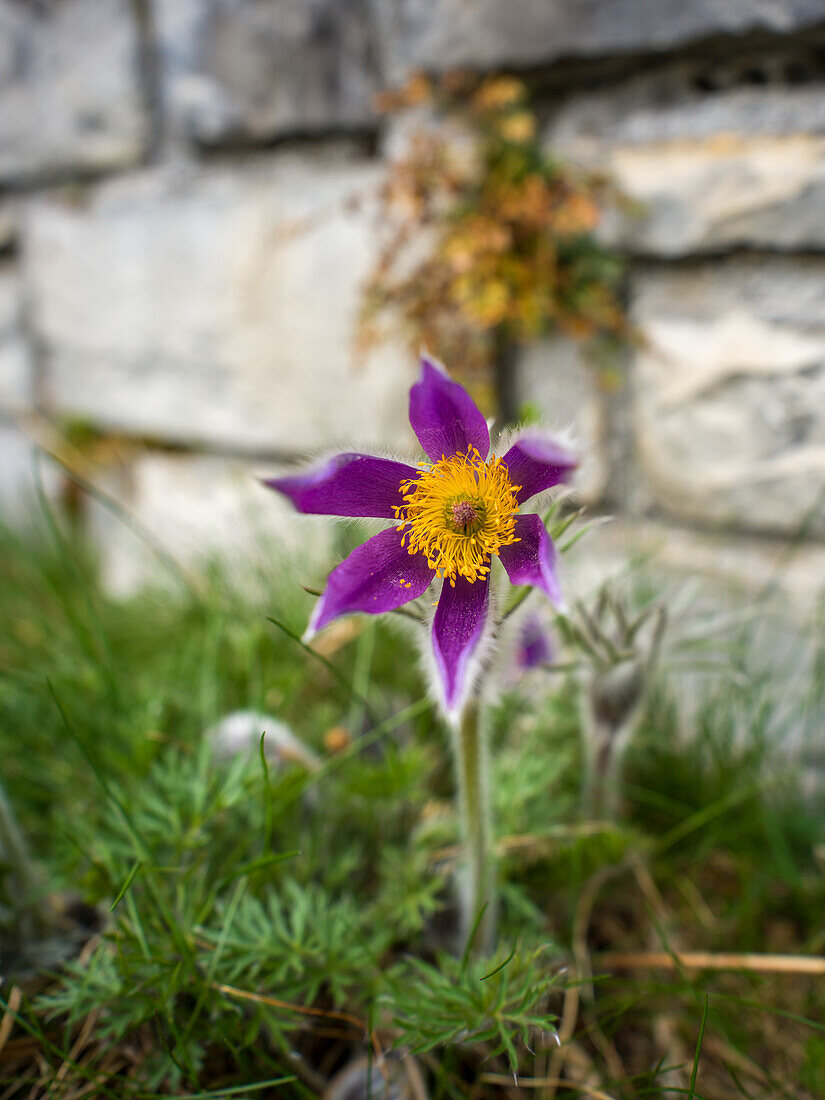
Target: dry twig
pixel 542 1083
pixel 709 960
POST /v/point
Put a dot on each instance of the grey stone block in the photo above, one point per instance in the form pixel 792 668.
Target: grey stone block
pixel 22 473
pixel 739 167
pixel 554 376
pixel 238 70
pixel 70 92
pixel 204 509
pixel 445 34
pixel 216 305
pixel 666 105
pixel 730 391
pixel 733 568
pixel 16 362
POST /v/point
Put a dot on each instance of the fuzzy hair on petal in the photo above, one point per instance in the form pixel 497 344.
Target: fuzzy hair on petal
pixel 316 457
pixel 566 438
pixel 479 660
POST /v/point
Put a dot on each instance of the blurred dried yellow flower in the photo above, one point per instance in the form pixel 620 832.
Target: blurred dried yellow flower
pixel 518 127
pixel 488 238
pixel 499 91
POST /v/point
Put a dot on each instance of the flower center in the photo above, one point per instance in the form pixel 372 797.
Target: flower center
pixel 458 512
pixel 464 514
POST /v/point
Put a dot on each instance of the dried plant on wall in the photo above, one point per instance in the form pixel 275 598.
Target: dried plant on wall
pixel 489 239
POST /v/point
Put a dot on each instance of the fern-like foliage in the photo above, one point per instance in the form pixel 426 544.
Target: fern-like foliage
pixel 499 1003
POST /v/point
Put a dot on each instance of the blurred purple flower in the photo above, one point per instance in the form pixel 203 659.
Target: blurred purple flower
pixel 450 516
pixel 534 646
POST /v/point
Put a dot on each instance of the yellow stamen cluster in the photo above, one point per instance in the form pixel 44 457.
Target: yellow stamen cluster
pixel 458 512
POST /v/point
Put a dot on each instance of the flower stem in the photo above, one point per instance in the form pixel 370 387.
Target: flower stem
pixel 478 888
pixel 601 784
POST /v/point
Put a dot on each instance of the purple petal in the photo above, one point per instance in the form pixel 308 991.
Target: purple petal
pixel 537 464
pixel 443 415
pixel 379 575
pixel 532 560
pixel 347 485
pixel 457 630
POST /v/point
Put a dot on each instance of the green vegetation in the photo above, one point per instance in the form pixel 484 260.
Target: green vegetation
pixel 249 925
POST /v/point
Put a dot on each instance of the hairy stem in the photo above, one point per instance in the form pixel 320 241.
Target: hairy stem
pixel 601 781
pixel 472 766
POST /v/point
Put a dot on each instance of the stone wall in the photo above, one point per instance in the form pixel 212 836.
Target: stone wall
pixel 186 192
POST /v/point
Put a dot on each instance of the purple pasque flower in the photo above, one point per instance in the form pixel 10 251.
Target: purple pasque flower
pixel 450 516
